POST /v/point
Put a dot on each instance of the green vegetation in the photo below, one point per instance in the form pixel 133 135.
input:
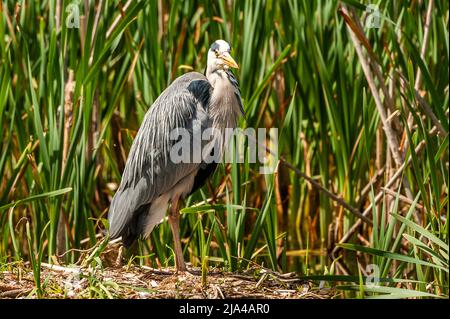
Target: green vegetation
pixel 363 129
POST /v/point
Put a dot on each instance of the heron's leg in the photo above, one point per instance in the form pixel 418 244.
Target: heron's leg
pixel 174 221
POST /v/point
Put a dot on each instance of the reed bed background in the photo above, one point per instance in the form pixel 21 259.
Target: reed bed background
pixel 361 188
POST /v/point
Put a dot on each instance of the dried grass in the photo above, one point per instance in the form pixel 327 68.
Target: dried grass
pixel 134 282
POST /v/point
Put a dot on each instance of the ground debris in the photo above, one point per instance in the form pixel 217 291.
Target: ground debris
pixel 143 282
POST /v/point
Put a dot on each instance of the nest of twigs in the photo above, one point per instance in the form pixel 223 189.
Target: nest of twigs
pixel 99 274
pixel 144 282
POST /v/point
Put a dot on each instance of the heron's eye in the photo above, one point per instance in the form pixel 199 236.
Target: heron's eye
pixel 216 52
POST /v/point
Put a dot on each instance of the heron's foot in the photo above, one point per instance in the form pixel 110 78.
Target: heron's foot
pixel 185 271
pixel 193 272
pixel 179 259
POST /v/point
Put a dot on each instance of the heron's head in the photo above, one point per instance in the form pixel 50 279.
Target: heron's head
pixel 219 57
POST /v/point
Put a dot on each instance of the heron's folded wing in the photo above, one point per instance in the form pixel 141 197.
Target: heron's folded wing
pixel 150 171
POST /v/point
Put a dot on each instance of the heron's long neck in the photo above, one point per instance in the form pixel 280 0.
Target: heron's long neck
pixel 225 105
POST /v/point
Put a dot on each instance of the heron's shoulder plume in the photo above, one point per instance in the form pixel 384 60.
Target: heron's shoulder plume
pixel 237 91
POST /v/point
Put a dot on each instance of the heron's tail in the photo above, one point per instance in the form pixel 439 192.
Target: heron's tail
pixel 134 229
pixel 124 217
pixel 131 223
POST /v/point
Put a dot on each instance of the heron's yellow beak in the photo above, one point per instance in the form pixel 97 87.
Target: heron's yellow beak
pixel 228 60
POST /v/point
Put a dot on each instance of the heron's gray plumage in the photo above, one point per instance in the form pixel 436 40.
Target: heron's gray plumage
pixel 150 179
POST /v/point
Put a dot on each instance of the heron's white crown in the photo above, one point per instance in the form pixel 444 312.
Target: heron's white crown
pixel 221 46
pixel 219 57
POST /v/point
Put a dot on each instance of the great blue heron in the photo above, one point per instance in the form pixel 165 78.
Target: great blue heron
pixel 151 179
